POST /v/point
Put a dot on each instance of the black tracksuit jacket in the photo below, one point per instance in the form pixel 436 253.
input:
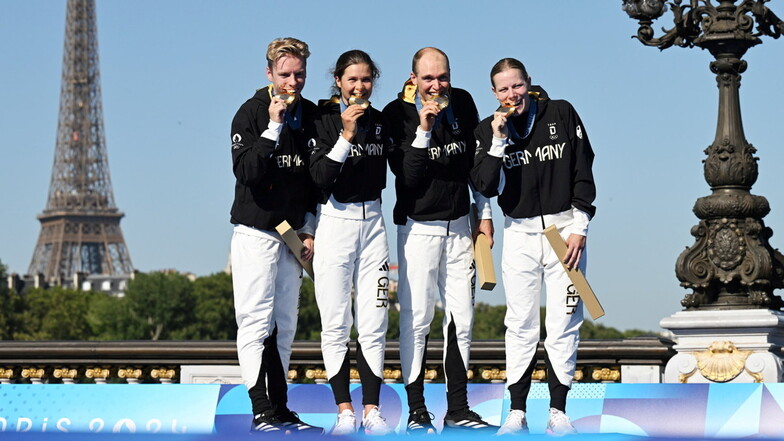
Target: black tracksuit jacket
pixel 364 174
pixel 273 182
pixel 546 173
pixel 432 183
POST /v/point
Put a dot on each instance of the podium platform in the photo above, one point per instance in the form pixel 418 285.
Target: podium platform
pixel 183 412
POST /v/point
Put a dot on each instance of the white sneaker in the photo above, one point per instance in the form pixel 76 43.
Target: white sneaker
pixel 515 424
pixel 375 424
pixel 559 424
pixel 346 423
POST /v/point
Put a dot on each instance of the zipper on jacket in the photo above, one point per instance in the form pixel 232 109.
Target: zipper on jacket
pixel 448 225
pixel 363 210
pixel 539 194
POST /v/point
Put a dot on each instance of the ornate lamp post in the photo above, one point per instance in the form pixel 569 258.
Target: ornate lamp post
pixel 731 265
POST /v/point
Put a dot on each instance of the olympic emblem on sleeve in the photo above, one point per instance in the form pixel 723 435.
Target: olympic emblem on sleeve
pixel 236 141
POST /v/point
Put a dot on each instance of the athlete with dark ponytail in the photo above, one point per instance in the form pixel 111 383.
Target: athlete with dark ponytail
pixel 349 166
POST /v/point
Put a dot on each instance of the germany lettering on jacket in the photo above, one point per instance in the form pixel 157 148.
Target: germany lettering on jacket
pixel 286 161
pixel 358 150
pixel 454 148
pixel 544 153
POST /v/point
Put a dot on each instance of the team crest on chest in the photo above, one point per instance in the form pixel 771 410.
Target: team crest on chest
pixel 553 131
pixel 455 128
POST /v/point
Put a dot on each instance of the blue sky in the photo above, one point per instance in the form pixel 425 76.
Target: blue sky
pixel 174 72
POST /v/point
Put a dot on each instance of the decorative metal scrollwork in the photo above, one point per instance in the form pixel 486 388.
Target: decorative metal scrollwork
pixel 731 264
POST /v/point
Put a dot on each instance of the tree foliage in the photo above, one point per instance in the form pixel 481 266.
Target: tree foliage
pixel 161 304
pixel 54 314
pixel 168 305
pixel 110 319
pixel 309 319
pixel 10 311
pixel 591 330
pixel 489 321
pixel 214 309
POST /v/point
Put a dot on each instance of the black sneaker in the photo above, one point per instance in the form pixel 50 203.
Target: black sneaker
pixel 466 419
pixel 290 423
pixel 266 423
pixel 420 422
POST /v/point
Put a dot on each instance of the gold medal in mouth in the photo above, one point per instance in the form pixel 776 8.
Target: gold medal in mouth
pixel 287 97
pixel 441 100
pixel 358 100
pixel 507 110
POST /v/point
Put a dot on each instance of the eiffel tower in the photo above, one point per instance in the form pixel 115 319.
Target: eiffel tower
pixel 80 226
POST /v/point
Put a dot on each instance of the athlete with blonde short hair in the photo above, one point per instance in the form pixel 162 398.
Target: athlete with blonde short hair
pixel 269 149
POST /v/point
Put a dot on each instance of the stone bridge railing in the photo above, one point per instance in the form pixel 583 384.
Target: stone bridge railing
pixel 635 360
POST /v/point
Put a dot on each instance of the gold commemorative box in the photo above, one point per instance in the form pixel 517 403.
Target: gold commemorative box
pixel 291 239
pixel 483 256
pixel 575 275
pixel 485 272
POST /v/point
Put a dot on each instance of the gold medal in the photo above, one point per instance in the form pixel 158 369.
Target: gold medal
pixel 506 110
pixel 287 98
pixel 441 100
pixel 358 100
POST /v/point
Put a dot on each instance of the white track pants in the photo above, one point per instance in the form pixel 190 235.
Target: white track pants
pixel 352 253
pixel 434 267
pixel 528 262
pixel 266 278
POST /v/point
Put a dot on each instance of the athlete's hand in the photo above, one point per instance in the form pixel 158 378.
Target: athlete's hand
pixel 277 109
pixel 500 130
pixel 350 117
pixel 427 116
pixel 574 250
pixel 485 227
pixel 307 251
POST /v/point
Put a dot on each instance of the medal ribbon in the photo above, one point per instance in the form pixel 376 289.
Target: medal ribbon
pixel 450 115
pixel 529 124
pixel 294 121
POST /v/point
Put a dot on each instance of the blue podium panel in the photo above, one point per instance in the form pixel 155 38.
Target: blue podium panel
pixel 109 408
pixel 316 405
pixel 627 411
pixel 654 409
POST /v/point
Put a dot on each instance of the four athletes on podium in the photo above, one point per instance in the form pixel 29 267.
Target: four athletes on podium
pixel 322 169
